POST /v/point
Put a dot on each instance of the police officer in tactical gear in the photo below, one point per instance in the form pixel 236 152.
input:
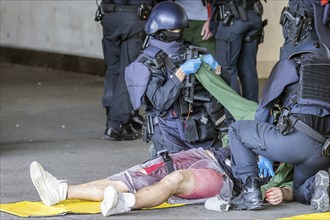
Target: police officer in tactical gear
pixel 299 136
pixel 172 126
pixel 239 30
pixel 303 21
pixel 123 22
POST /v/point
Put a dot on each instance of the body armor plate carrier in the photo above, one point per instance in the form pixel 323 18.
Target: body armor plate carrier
pixel 314 83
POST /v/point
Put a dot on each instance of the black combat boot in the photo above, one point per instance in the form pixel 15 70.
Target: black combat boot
pixel 125 132
pixel 250 197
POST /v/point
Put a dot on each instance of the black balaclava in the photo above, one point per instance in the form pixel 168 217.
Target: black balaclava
pixel 168 36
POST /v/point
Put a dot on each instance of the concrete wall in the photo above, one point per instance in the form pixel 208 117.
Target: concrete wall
pixel 68 27
pixel 269 51
pixel 51 25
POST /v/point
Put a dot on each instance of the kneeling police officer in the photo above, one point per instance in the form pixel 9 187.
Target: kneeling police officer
pixel 174 124
pixel 300 85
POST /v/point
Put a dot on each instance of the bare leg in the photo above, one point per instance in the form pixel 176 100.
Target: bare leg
pixel 178 182
pixel 94 190
pixel 53 191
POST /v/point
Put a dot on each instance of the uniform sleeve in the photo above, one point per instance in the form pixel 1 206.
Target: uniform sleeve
pixel 163 93
pixel 137 77
pixel 265 114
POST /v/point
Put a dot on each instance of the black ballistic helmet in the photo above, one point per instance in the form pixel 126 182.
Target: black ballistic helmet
pixel 316 47
pixel 166 15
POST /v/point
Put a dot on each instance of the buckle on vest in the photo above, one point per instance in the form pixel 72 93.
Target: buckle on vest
pixel 283 123
pixel 326 148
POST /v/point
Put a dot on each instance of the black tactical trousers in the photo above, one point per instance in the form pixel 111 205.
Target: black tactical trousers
pixel 122 41
pixel 251 138
pixel 237 57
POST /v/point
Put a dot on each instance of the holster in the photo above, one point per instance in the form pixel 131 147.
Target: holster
pixel 259 36
pixel 143 11
pixel 148 128
pixel 297 26
pixel 283 124
pixel 216 112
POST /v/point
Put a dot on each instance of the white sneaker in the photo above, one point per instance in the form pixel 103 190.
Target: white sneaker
pixel 320 199
pixel 50 190
pixel 217 204
pixel 115 202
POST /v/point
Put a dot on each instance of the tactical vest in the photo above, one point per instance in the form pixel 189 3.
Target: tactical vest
pixel 311 94
pixel 201 115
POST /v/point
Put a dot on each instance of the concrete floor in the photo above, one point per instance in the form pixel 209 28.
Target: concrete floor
pixel 56 118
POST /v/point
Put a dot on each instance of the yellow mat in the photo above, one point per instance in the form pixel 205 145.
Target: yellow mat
pixel 72 206
pixel 314 216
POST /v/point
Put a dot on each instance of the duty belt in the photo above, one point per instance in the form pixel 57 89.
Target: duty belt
pixel 248 6
pixel 310 132
pixel 232 10
pixel 287 121
pixel 121 8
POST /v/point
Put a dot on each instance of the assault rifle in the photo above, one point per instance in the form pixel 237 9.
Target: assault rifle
pixel 189 82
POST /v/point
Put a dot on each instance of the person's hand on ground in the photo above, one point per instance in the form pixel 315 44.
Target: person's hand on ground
pixel 274 195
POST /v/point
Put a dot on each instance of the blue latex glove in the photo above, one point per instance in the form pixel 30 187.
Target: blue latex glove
pixel 191 66
pixel 210 61
pixel 265 167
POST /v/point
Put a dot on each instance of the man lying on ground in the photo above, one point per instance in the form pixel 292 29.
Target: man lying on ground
pixel 198 175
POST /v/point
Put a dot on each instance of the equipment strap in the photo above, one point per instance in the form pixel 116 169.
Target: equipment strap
pixel 305 129
pixel 167 160
pixel 170 65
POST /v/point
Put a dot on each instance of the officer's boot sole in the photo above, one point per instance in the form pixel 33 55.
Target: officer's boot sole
pixel 320 199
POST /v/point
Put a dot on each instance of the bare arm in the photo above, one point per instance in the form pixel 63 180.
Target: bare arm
pixel 206 33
